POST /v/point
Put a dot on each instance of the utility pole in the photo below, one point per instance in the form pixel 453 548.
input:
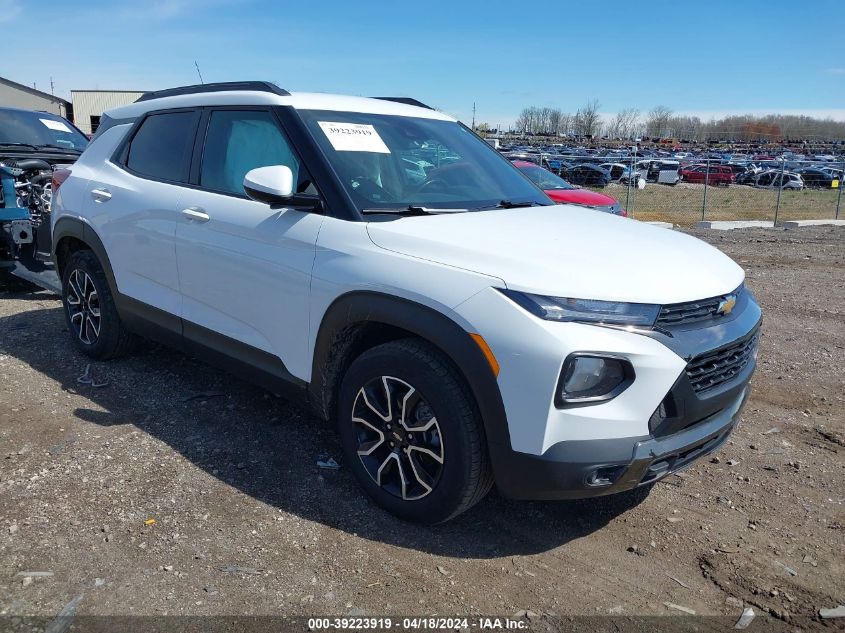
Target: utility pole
pixel 52 89
pixel 198 71
pixel 473 116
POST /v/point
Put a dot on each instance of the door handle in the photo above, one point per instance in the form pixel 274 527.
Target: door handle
pixel 196 213
pixel 101 195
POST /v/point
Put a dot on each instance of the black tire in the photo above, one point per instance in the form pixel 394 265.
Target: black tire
pixel 110 339
pixel 463 477
pixel 7 280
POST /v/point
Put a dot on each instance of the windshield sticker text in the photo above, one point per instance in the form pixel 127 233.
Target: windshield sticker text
pixel 353 137
pixel 55 125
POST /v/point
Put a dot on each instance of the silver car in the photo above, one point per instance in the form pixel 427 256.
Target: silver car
pixel 774 179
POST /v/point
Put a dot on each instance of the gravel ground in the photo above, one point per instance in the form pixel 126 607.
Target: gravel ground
pixel 178 489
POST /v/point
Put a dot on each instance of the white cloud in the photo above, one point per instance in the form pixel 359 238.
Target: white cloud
pixel 9 10
pixel 834 71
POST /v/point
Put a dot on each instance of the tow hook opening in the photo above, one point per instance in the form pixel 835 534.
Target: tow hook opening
pixel 604 476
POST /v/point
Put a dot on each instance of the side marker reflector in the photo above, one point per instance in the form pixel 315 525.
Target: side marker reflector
pixel 488 353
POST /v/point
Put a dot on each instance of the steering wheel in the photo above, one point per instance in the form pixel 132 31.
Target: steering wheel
pixel 438 183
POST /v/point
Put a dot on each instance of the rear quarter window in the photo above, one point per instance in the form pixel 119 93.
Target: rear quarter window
pixel 162 146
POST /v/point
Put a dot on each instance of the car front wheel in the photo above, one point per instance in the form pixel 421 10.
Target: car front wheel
pixel 411 432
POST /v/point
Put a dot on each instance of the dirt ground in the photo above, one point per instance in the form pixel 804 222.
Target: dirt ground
pixel 178 489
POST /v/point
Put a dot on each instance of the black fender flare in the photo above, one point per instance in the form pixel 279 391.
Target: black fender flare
pixel 72 227
pixel 366 307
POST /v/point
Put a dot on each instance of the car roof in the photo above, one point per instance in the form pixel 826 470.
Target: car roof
pixel 298 100
pixel 8 109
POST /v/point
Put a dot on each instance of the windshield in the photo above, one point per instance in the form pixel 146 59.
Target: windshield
pixel 396 162
pixel 545 179
pixel 39 129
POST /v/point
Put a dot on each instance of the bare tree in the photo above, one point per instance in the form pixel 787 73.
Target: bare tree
pixel 658 121
pixel 623 125
pixel 588 119
pixel 684 127
pixel 566 121
pixel 523 121
pixel 661 122
pixel 628 122
pixel 555 116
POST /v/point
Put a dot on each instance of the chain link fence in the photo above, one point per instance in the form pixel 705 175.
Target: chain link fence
pixel 686 190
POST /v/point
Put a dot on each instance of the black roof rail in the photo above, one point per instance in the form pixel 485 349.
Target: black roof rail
pixel 224 86
pixel 406 101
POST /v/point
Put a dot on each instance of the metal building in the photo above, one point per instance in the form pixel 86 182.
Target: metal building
pixel 89 105
pixel 15 95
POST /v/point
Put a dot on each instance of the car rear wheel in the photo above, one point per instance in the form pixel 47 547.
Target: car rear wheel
pixel 90 311
pixel 411 432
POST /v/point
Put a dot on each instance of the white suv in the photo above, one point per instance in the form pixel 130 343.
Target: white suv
pixel 377 260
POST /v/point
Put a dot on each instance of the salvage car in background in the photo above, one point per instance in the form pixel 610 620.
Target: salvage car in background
pixel 650 170
pixel 664 172
pixel 710 174
pixel 585 174
pixel 564 193
pixel 774 179
pixel 614 169
pixel 818 178
pixel 32 146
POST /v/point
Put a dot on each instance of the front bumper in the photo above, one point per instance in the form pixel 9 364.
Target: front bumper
pixel 568 469
pixel 684 402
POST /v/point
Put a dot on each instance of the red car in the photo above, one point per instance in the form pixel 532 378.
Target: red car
pixel 714 175
pixel 564 193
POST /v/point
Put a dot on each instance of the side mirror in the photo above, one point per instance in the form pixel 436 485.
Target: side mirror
pixel 273 185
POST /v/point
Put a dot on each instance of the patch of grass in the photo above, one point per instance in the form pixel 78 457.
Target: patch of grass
pixel 682 204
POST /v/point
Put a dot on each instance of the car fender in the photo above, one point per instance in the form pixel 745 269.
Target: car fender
pixel 366 307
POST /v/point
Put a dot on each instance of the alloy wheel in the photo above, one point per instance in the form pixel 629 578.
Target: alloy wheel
pixel 83 305
pixel 399 440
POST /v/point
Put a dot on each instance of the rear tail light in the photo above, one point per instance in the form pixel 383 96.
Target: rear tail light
pixel 59 176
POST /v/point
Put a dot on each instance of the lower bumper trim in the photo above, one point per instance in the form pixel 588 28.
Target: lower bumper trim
pixel 568 470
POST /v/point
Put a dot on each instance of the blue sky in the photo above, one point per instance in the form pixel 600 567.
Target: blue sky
pixel 711 58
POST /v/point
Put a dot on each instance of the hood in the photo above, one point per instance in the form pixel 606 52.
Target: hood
pixel 568 251
pixel 583 197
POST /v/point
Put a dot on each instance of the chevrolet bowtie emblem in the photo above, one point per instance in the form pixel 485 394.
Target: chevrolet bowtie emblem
pixel 726 305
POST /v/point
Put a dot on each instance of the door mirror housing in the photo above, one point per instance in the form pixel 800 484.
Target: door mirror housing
pixel 273 185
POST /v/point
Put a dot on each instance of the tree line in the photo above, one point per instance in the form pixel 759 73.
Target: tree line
pixel 662 122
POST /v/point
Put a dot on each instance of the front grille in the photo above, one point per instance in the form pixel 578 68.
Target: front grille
pixel 692 311
pixel 715 368
pixel 673 463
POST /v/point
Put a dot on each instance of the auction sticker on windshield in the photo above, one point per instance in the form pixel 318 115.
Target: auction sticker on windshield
pixel 55 125
pixel 353 137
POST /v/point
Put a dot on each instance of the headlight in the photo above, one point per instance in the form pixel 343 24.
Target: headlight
pixel 586 310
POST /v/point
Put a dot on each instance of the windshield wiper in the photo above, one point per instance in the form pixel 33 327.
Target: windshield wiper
pixel 412 209
pixel 61 147
pixel 19 145
pixel 509 204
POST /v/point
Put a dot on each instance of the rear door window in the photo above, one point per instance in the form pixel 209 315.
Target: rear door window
pixel 161 148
